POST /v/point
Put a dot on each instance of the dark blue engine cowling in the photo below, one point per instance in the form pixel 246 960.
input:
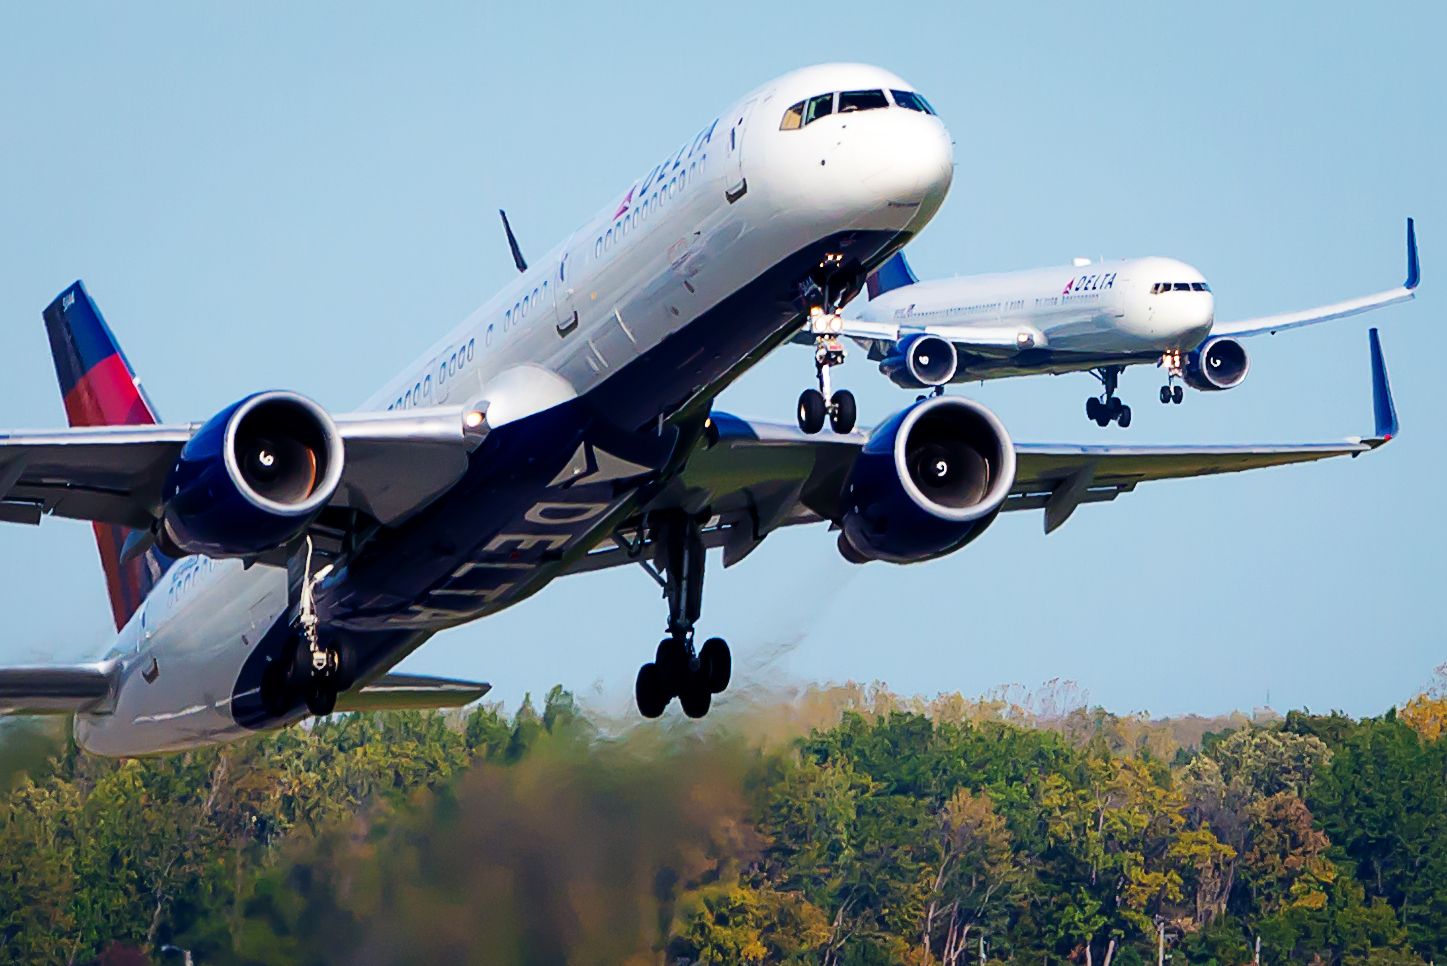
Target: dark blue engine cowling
pixel 921 361
pixel 252 478
pixel 928 481
pixel 1217 364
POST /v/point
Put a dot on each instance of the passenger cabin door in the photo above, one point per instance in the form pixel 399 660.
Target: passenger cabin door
pixel 735 185
pixel 565 309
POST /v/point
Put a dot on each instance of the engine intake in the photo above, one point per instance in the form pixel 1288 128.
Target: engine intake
pixel 252 478
pixel 921 361
pixel 928 481
pixel 1217 364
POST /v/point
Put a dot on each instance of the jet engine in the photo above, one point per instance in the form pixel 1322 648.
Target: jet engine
pixel 920 361
pixel 252 478
pixel 928 481
pixel 1217 364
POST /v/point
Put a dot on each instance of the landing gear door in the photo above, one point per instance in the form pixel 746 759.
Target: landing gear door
pixel 735 185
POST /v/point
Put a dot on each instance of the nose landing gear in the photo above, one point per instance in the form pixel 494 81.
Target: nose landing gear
pixel 1170 392
pixel 817 404
pixel 678 669
pixel 827 327
pixel 1107 408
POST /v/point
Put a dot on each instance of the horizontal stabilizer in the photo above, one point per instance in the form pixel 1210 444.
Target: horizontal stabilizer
pixel 56 689
pixel 403 692
pixel 893 274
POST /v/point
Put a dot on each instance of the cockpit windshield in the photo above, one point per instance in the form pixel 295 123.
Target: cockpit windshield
pixel 1160 287
pixel 912 101
pixel 861 101
pixel 805 112
pixel 817 107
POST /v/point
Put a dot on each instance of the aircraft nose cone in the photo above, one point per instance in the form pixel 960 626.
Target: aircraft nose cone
pixel 903 158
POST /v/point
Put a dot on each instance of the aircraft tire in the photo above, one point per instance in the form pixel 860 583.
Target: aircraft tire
pixel 696 696
pixel 1178 395
pixel 812 411
pixel 321 698
pixel 650 690
pixel 1092 410
pixel 1123 420
pixel 716 663
pixel 1165 394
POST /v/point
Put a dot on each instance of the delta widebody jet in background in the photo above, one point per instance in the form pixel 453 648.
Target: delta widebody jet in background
pixel 1097 317
pixel 277 560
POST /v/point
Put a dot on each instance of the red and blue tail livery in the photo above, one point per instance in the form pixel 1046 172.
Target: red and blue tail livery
pixel 96 380
pixel 100 388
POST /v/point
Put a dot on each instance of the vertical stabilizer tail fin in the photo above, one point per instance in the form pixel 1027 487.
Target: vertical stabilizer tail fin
pixel 100 388
pixel 893 274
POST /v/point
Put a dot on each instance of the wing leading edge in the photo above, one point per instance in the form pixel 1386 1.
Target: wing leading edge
pixel 1272 324
pixel 396 463
pixel 756 477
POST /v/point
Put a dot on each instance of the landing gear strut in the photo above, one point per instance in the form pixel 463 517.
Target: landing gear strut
pixel 679 670
pixel 1107 408
pixel 314 671
pixel 827 328
pixel 1170 392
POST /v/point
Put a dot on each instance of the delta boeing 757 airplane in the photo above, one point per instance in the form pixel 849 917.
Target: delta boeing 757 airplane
pixel 277 560
pixel 1099 317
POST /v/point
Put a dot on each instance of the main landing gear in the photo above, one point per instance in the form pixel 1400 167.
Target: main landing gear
pixel 312 670
pixel 1107 408
pixel 678 669
pixel 1171 392
pixel 825 324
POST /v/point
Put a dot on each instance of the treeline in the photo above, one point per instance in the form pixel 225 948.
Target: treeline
pixel 845 827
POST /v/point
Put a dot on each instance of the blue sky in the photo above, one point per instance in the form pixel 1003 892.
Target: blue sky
pixel 305 195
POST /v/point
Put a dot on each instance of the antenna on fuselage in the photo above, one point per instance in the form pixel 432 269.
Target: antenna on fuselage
pixel 512 242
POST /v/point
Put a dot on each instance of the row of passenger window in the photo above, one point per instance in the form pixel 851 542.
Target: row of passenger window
pixel 641 212
pixel 1160 287
pixel 846 102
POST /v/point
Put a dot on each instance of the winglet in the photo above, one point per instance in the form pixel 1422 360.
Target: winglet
pixel 1414 266
pixel 512 242
pixel 1383 408
pixel 893 274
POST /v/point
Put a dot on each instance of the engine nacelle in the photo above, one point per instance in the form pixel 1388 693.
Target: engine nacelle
pixel 1217 364
pixel 252 478
pixel 921 361
pixel 928 481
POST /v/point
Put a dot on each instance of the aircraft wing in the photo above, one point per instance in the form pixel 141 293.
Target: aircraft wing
pixel 1273 324
pixel 63 689
pixel 976 340
pixel 756 477
pixel 395 463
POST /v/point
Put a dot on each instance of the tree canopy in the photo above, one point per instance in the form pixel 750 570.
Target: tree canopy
pixel 851 827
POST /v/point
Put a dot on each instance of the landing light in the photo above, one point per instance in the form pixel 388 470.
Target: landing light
pixel 473 418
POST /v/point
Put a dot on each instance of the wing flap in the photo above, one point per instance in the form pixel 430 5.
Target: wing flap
pixel 58 689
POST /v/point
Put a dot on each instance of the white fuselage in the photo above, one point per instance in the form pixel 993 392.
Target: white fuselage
pixel 739 195
pixel 1101 309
